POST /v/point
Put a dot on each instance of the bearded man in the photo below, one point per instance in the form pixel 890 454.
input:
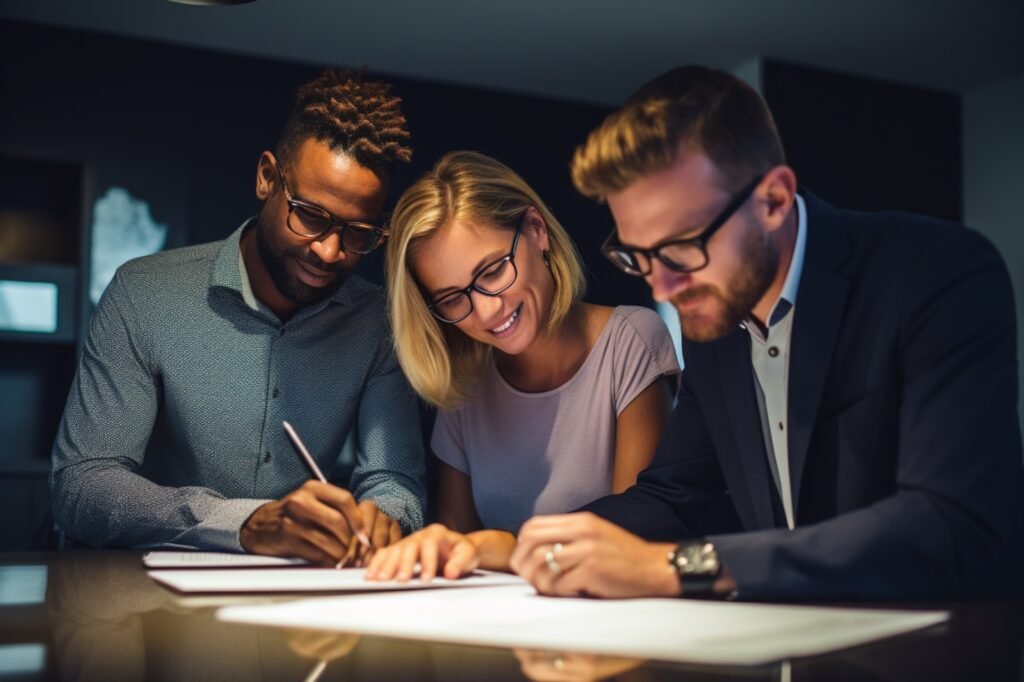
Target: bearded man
pixel 850 379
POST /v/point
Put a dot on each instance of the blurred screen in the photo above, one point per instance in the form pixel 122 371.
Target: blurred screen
pixel 28 306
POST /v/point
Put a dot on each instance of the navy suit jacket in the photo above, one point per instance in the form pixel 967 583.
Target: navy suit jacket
pixel 904 443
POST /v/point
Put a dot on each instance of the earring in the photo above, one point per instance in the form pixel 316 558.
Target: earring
pixel 546 255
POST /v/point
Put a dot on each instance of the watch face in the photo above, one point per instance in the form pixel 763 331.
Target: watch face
pixel 697 559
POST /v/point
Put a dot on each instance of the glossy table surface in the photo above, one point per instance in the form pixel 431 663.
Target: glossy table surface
pixel 82 615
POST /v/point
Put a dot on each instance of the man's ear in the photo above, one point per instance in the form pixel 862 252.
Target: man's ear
pixel 778 192
pixel 266 175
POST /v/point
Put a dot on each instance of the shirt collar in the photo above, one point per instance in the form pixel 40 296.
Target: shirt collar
pixel 787 297
pixel 796 265
pixel 247 294
pixel 226 271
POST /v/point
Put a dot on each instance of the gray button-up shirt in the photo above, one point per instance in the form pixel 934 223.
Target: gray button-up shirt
pixel 172 430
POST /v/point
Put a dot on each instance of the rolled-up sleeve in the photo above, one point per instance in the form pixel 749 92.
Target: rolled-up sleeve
pixel 390 466
pixel 99 498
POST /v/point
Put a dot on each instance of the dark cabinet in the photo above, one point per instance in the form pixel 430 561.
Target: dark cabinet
pixel 43 239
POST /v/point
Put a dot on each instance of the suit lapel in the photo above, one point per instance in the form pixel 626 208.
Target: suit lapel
pixel 734 366
pixel 818 315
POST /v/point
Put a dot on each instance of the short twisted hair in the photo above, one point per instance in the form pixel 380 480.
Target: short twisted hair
pixel 355 116
pixel 710 110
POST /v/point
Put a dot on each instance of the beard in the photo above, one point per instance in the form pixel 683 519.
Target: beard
pixel 286 283
pixel 760 264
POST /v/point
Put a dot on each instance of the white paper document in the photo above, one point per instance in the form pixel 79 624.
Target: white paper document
pixel 659 629
pixel 165 559
pixel 286 580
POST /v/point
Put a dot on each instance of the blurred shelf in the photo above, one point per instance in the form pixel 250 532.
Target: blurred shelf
pixel 19 469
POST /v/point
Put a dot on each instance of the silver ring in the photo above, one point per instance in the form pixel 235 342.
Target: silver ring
pixel 549 559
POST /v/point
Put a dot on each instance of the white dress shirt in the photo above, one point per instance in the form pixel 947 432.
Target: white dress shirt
pixel 769 353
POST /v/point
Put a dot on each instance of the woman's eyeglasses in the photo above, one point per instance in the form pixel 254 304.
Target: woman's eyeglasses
pixel 493 279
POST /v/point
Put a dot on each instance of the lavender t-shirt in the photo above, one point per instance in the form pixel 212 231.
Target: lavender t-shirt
pixel 554 451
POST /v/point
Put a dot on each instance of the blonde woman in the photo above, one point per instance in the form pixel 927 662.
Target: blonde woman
pixel 545 402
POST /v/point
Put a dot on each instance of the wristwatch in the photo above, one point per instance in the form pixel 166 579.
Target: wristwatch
pixel 696 563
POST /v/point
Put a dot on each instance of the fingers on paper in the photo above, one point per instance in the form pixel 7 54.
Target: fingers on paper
pixel 462 559
pixel 433 548
pixel 545 531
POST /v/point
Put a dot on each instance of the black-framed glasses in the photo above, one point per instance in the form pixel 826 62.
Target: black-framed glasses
pixel 681 255
pixel 493 279
pixel 313 222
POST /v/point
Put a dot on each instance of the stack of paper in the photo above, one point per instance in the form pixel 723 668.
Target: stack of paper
pixel 279 580
pixel 661 629
pixel 165 559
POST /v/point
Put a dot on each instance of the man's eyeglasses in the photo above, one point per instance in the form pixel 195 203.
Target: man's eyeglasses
pixel 493 279
pixel 681 255
pixel 312 222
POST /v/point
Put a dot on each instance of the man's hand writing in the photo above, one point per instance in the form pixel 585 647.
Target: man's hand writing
pixel 318 522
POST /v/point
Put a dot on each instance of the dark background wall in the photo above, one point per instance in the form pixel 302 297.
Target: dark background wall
pixel 183 128
pixel 867 144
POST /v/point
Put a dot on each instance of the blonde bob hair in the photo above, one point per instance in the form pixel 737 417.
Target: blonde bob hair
pixel 441 362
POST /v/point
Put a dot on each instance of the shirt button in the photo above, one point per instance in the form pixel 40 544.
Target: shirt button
pixel 773 351
pixel 266 457
pixel 780 429
pixel 276 392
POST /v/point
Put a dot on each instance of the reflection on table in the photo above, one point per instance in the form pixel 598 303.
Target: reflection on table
pixel 97 616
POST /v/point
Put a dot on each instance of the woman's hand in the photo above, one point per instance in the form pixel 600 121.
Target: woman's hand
pixel 433 547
